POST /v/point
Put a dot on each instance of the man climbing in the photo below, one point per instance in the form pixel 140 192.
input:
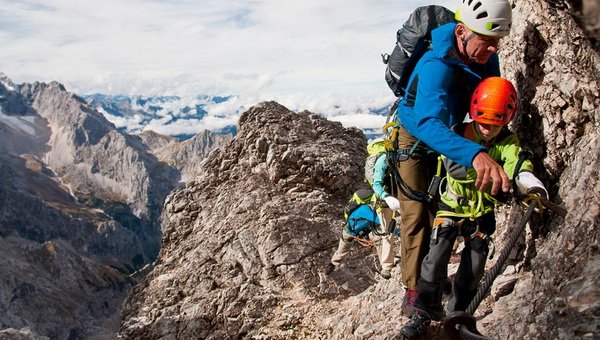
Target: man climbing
pixel 466 211
pixel 437 97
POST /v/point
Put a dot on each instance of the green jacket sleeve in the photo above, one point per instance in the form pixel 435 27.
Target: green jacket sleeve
pixel 507 150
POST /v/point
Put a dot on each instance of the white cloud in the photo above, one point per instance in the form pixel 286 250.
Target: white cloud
pixel 191 126
pixel 362 120
pixel 230 107
pixel 312 54
pixel 133 123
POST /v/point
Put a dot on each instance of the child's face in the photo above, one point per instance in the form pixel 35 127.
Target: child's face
pixel 487 131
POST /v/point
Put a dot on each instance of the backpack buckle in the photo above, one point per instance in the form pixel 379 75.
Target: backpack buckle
pixel 402 156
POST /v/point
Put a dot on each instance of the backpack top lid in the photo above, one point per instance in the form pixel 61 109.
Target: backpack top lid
pixel 420 23
pixel 365 212
pixel 412 41
pixel 363 196
pixel 362 221
pixel 359 197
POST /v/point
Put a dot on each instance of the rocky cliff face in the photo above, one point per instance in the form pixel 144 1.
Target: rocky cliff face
pixel 185 156
pixel 102 166
pixel 79 210
pixel 557 295
pixel 253 231
pixel 244 242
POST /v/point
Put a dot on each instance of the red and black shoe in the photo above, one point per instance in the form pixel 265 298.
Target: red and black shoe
pixel 408 303
pixel 416 327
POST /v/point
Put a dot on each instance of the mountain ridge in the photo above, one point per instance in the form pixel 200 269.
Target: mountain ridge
pixel 79 204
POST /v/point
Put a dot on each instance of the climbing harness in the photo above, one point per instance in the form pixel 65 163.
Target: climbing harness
pixel 403 187
pixel 439 222
pixel 475 211
pixel 391 130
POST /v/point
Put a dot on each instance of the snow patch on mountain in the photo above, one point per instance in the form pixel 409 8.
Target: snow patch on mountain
pixel 22 123
pixel 6 82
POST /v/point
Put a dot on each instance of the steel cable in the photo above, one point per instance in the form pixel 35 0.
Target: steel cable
pixel 490 276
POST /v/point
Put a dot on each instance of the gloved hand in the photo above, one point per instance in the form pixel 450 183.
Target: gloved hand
pixel 538 191
pixel 392 203
pixel 529 184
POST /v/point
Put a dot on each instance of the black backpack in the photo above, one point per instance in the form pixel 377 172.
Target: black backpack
pixel 412 41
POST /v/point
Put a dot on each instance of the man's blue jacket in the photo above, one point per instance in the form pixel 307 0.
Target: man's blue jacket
pixel 443 92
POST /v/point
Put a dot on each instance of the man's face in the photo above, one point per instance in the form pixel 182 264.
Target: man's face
pixel 480 47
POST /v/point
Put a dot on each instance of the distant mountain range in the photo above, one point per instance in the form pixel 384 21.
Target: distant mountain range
pixel 134 114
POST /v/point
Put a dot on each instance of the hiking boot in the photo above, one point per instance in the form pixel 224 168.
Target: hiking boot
pixel 408 303
pixel 416 326
pixel 385 273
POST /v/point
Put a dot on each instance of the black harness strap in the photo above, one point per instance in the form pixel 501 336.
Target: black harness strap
pixel 411 94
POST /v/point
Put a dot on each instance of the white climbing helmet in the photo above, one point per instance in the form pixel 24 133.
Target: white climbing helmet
pixel 488 17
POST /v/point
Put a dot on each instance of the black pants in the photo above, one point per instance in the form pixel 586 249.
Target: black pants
pixel 434 269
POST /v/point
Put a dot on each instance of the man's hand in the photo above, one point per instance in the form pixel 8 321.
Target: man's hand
pixel 487 169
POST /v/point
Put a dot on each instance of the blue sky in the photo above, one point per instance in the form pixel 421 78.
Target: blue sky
pixel 318 55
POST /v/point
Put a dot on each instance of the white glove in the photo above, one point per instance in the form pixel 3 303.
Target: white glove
pixel 526 181
pixel 392 203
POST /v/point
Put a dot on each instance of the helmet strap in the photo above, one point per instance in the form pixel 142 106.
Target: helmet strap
pixel 464 44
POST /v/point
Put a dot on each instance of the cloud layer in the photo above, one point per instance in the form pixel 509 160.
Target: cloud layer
pixel 322 56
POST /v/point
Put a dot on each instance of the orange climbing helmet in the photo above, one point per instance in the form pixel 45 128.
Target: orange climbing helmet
pixel 494 102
